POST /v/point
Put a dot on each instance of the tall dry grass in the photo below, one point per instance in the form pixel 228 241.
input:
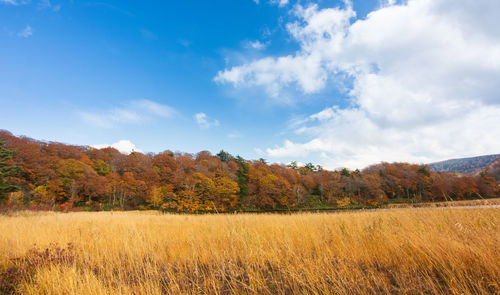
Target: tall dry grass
pixel 447 251
pixel 493 202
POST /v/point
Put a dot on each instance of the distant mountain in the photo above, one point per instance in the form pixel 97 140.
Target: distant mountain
pixel 465 165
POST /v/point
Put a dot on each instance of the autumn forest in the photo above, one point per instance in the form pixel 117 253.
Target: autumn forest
pixel 49 175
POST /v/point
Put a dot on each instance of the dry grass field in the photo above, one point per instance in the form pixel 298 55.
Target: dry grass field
pixel 430 251
pixel 476 203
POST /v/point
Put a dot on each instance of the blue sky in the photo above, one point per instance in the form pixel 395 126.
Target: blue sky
pixel 255 78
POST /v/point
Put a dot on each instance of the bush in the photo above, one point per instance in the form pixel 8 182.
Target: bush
pixel 27 265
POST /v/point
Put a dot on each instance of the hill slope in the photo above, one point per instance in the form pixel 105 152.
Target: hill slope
pixel 494 169
pixel 465 165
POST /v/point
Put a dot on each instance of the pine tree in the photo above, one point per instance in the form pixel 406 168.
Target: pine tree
pixel 242 176
pixel 6 171
pixel 224 156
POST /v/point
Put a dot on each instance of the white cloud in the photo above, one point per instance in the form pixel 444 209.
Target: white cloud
pixel 134 112
pixel 280 3
pixel 424 81
pixel 257 45
pixel 204 121
pixel 123 146
pixel 46 4
pixel 11 2
pixel 26 32
pixel 154 108
pixel 15 2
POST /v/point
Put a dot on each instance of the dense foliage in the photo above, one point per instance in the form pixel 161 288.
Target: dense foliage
pixel 6 171
pixel 60 176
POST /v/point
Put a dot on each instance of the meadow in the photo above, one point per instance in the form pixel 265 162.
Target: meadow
pixel 398 251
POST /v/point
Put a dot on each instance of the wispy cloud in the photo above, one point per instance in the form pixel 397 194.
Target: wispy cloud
pixel 154 108
pixel 26 32
pixel 11 2
pixel 280 3
pixel 134 112
pixel 259 151
pixel 110 7
pixel 204 121
pixel 257 45
pixel 46 4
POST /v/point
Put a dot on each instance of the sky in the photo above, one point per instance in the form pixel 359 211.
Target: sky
pixel 335 83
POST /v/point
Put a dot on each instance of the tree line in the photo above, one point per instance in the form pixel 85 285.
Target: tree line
pixel 49 175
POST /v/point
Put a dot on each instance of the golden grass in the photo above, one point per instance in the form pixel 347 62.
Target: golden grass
pixel 460 203
pixel 445 251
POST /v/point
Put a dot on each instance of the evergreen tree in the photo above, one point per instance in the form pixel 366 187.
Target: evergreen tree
pixel 224 156
pixel 6 171
pixel 242 175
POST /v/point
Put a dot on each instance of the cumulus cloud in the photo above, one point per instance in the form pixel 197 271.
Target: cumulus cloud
pixel 134 112
pixel 422 77
pixel 123 146
pixel 26 32
pixel 204 121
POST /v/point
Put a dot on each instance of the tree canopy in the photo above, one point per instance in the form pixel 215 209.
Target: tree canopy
pixel 7 171
pixel 53 175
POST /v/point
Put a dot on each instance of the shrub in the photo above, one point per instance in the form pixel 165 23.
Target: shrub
pixel 27 265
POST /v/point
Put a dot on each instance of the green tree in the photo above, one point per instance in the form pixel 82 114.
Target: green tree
pixel 293 165
pixel 345 172
pixel 224 156
pixel 6 172
pixel 242 176
pixel 310 167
